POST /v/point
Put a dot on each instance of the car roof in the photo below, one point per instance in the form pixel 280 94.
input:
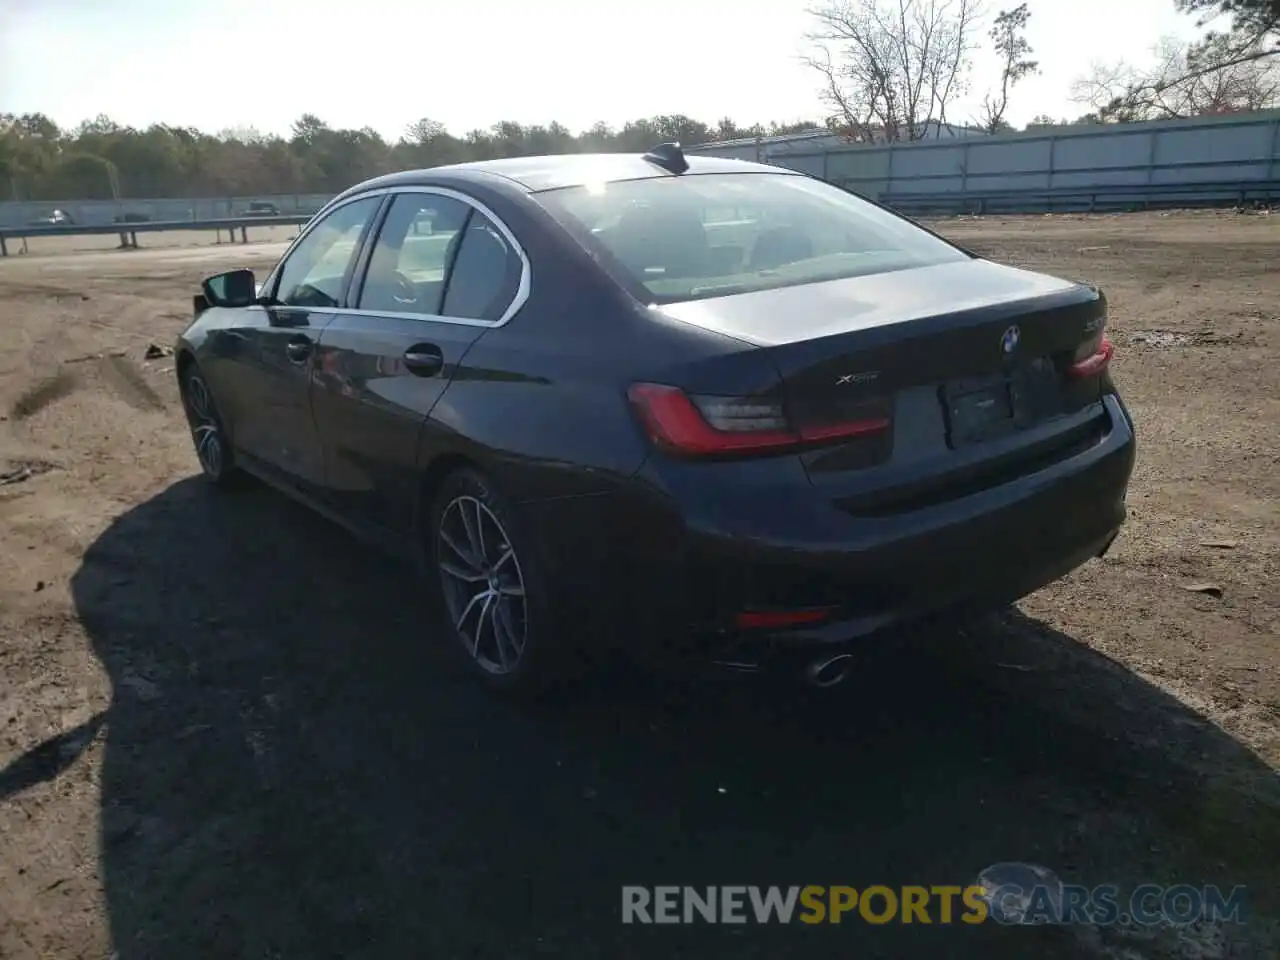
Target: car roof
pixel 565 170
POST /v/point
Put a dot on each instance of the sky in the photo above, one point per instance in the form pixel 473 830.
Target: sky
pixel 220 64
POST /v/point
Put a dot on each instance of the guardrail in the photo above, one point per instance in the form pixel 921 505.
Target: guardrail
pixel 1090 198
pixel 128 232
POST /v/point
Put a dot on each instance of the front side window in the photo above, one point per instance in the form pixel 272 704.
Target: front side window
pixel 707 235
pixel 316 269
pixel 417 241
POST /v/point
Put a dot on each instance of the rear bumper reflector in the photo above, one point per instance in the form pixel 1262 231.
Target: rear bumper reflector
pixel 779 619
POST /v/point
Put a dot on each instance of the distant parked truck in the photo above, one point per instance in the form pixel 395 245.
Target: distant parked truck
pixel 262 208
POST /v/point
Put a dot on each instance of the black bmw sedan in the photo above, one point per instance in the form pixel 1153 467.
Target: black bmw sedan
pixel 614 400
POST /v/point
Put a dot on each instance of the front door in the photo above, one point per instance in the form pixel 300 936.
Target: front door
pixel 438 276
pixel 273 419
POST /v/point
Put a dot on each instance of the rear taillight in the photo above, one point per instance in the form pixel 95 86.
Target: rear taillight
pixel 1092 357
pixel 697 425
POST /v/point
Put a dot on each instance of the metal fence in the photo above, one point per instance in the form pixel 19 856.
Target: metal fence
pixel 14 214
pixel 128 232
pixel 1187 162
pixel 1201 160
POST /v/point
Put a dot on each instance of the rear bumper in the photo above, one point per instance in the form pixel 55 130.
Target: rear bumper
pixel 658 567
pixel 978 594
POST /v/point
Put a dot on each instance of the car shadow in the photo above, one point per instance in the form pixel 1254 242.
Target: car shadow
pixel 294 768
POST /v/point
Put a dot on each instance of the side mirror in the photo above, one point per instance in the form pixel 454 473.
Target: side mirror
pixel 236 288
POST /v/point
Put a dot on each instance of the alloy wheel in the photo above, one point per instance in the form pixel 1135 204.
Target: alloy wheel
pixel 204 425
pixel 483 584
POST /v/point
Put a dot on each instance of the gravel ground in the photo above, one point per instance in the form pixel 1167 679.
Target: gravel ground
pixel 226 730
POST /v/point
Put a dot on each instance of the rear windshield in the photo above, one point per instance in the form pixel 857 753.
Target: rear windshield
pixel 709 235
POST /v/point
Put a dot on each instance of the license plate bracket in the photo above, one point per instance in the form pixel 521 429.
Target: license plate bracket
pixel 979 408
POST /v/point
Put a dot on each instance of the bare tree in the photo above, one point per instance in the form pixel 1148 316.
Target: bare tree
pixel 891 68
pixel 1183 80
pixel 1226 70
pixel 1008 36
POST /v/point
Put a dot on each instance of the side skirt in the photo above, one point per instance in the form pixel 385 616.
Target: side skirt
pixel 374 535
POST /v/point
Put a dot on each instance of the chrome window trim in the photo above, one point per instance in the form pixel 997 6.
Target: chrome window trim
pixel 427 317
pixel 522 289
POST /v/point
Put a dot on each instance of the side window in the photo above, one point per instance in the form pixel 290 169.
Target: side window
pixel 407 268
pixel 314 273
pixel 485 275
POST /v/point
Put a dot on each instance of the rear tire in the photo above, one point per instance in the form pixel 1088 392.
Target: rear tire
pixel 213 450
pixel 491 580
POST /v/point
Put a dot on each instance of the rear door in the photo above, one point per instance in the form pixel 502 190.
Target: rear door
pixel 270 405
pixel 441 271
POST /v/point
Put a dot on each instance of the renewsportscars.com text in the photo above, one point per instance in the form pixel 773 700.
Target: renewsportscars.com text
pixel 1006 903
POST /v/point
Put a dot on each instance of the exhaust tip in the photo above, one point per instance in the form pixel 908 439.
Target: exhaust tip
pixel 829 671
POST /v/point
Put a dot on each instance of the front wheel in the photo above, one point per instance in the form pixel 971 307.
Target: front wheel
pixel 207 433
pixel 491 583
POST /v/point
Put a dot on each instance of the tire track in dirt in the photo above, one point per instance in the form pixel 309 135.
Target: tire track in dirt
pixel 44 393
pixel 41 291
pixel 129 383
pixel 121 376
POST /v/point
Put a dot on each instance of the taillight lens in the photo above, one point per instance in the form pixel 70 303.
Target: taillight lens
pixel 699 425
pixel 1092 357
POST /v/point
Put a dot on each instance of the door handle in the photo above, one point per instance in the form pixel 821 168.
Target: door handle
pixel 424 360
pixel 298 349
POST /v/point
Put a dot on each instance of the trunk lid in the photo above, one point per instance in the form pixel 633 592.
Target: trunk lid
pixel 968 360
pixel 878 308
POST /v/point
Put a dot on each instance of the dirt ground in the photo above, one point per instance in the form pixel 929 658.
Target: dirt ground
pixel 225 730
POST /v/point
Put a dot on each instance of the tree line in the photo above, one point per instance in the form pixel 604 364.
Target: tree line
pixel 889 70
pixel 101 159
